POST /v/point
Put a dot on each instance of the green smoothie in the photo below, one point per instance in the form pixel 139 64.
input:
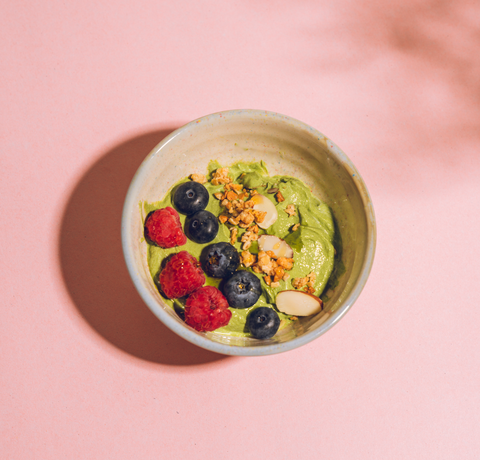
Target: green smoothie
pixel 312 243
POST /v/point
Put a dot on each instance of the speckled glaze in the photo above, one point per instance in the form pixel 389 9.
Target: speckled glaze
pixel 287 146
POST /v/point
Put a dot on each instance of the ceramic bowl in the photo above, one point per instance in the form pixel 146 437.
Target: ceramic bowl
pixel 287 146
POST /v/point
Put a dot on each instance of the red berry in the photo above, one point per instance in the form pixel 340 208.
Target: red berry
pixel 163 227
pixel 207 309
pixel 181 276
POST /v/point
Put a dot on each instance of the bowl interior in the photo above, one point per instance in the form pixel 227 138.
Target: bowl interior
pixel 288 147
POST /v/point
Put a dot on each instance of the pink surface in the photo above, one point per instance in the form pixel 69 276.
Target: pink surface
pixel 88 88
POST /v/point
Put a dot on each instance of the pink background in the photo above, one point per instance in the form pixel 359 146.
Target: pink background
pixel 88 88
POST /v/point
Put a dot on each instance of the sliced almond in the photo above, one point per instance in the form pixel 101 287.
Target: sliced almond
pixel 263 204
pixel 298 303
pixel 275 244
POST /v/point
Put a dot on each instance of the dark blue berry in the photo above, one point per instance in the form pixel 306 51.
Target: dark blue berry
pixel 263 322
pixel 242 289
pixel 202 227
pixel 220 260
pixel 190 197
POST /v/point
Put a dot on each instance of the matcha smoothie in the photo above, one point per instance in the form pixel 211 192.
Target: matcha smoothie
pixel 304 223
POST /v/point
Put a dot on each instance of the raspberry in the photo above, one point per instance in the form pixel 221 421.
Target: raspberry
pixel 207 309
pixel 181 276
pixel 163 227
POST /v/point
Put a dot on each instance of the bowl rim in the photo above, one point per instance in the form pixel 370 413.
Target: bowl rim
pixel 198 338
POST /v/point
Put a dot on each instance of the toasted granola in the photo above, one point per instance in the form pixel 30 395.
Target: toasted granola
pixel 247 259
pixel 307 282
pixel 200 178
pixel 238 207
pixel 236 187
pixel 260 216
pixel 265 263
pixel 247 239
pixel 290 210
pixel 247 217
pixel 269 266
pixel 220 176
pixel 233 235
pixel 298 283
pixel 285 262
pixel 231 195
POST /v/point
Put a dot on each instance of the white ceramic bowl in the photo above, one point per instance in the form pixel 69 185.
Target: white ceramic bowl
pixel 288 146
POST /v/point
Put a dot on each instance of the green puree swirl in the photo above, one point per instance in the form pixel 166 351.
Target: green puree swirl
pixel 312 243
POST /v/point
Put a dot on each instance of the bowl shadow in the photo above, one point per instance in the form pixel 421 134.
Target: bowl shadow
pixel 93 267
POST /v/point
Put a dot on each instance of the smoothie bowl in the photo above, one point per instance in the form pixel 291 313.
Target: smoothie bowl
pixel 271 220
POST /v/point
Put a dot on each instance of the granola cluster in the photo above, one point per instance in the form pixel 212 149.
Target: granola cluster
pixel 239 212
pixel 220 176
pixel 267 263
pixel 200 178
pixel 307 282
pixel 290 210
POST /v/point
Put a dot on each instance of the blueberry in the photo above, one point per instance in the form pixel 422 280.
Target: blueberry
pixel 263 322
pixel 242 289
pixel 190 197
pixel 220 260
pixel 202 227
